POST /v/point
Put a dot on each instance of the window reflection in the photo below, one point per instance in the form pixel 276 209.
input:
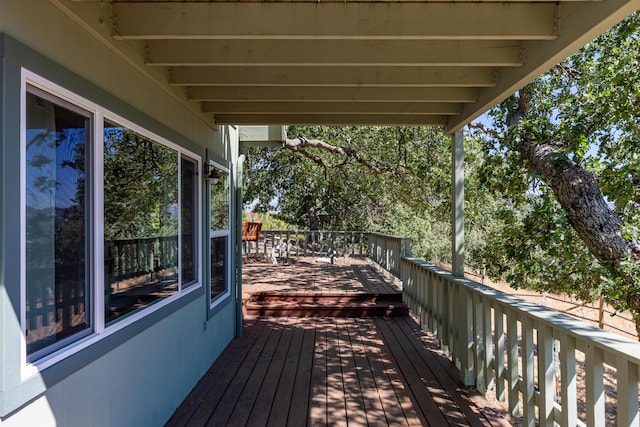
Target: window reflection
pixel 140 221
pixel 188 215
pixel 218 265
pixel 219 198
pixel 57 292
pixel 219 203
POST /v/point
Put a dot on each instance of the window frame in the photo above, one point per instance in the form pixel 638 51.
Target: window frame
pixel 214 304
pixel 97 330
pixel 59 101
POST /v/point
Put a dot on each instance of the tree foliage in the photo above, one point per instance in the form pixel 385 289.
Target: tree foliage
pixel 564 150
pixel 388 179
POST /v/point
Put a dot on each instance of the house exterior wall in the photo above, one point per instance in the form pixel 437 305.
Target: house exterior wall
pixel 138 374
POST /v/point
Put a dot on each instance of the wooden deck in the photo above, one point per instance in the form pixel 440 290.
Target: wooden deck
pixel 350 287
pixel 316 371
pixel 304 275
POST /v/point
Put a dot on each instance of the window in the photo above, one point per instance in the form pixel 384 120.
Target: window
pixel 140 221
pixel 57 142
pixel 189 217
pixel 220 234
pixel 145 192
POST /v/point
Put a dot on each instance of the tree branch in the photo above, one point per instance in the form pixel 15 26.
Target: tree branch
pixel 299 144
pixel 490 132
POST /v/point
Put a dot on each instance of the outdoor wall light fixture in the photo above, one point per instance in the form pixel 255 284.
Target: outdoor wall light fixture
pixel 212 174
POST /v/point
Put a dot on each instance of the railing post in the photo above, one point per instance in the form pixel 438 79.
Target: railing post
pixel 457 217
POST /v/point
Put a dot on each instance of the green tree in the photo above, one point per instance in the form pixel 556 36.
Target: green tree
pixel 388 179
pixel 564 151
pixel 140 186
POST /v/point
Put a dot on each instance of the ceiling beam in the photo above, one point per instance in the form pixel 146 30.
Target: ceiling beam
pixel 581 24
pixel 334 52
pixel 228 107
pixel 334 76
pixel 337 21
pixel 332 94
pixel 330 119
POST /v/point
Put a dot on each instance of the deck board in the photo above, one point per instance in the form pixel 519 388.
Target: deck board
pixel 333 371
pixel 371 396
pixel 298 412
pixel 279 409
pixel 196 409
pixel 318 386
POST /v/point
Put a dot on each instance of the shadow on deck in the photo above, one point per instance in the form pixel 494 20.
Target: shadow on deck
pixel 300 371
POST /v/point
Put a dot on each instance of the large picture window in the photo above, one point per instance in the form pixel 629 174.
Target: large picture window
pixel 220 234
pixel 111 219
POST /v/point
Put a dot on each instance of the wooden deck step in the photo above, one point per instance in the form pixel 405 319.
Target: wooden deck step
pixel 325 297
pixel 363 305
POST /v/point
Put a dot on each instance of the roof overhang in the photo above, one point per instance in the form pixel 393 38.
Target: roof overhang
pixel 365 63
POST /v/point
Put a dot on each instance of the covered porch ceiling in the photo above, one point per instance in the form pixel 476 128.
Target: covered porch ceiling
pixel 439 63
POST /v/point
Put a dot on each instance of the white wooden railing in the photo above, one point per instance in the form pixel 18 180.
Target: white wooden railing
pixel 309 243
pixel 387 251
pixel 540 362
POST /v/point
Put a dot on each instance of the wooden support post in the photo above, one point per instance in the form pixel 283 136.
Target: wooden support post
pixel 457 217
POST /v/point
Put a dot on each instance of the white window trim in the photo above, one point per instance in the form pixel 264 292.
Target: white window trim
pixel 99 330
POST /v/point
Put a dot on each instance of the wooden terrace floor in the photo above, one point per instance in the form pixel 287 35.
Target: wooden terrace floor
pixel 304 275
pixel 317 371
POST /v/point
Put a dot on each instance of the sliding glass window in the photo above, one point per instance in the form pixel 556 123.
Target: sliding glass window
pixel 140 221
pixel 57 151
pixel 146 221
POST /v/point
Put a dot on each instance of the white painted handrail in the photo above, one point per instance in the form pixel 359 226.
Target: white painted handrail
pixel 309 243
pixel 388 250
pixel 485 332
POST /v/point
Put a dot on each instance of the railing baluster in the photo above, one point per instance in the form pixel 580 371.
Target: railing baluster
pixel 488 344
pixel 529 391
pixel 498 315
pixel 546 375
pixel 627 393
pixel 465 336
pixel 594 379
pixel 568 380
pixel 513 376
pixel 478 342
